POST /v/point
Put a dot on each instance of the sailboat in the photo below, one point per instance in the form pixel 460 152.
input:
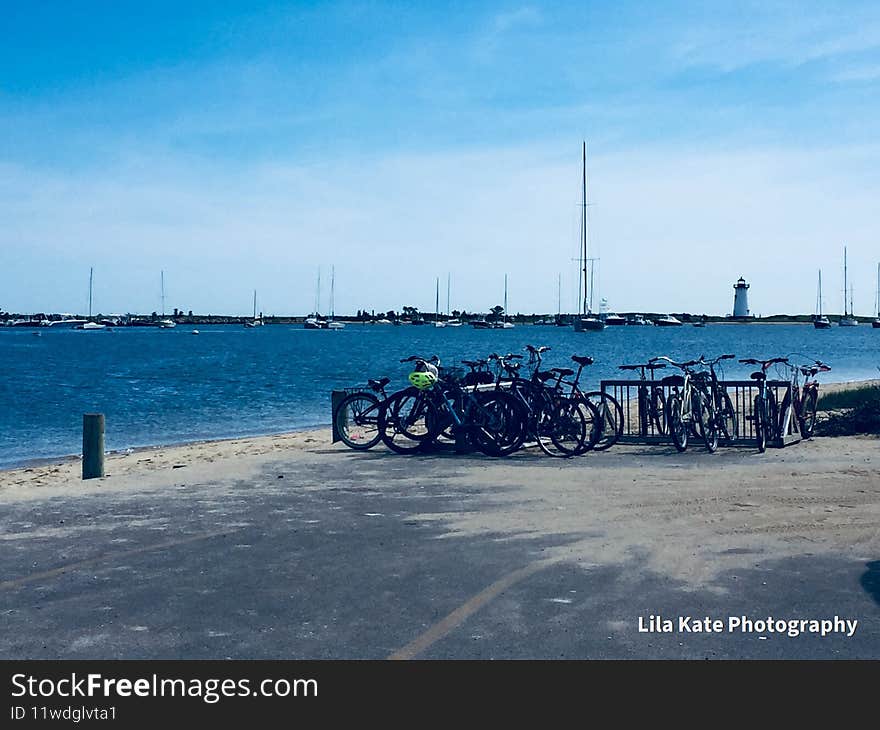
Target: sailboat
pixel 165 323
pixel 90 325
pixel 254 322
pixel 876 323
pixel 314 322
pixel 454 321
pixel 847 320
pixel 331 325
pixel 504 324
pixel 437 322
pixel 820 321
pixel 587 321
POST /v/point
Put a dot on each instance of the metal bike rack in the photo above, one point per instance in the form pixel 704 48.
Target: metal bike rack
pixel 742 395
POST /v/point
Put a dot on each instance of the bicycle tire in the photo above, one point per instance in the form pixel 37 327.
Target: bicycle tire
pixel 760 416
pixel 610 414
pixel 357 421
pixel 772 406
pixel 561 427
pixel 678 429
pixel 705 418
pixel 727 420
pixel 408 421
pixel 498 423
pixel 808 411
pixel 659 412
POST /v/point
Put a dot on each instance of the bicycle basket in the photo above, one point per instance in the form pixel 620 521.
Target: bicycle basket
pixel 421 380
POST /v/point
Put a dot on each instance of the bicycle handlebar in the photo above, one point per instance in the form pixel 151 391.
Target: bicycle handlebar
pixel 681 365
pixel 647 366
pixel 716 360
pixel 537 350
pixel 414 358
pixel 764 363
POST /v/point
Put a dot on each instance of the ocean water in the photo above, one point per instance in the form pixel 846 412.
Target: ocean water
pixel 169 386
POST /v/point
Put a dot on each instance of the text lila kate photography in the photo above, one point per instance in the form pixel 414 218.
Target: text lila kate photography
pixel 657 624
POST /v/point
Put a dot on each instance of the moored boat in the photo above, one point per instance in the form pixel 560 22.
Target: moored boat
pixel 667 321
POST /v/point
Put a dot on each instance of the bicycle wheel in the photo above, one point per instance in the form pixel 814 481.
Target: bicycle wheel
pixel 772 407
pixel 808 413
pixel 678 429
pixel 498 422
pixel 408 421
pixel 562 428
pixel 725 417
pixel 357 421
pixel 659 412
pixel 761 425
pixel 610 423
pixel 704 416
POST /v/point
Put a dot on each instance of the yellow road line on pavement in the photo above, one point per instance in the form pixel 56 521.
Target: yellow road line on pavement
pixel 468 608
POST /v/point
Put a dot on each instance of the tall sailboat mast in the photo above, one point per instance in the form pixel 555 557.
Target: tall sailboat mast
pixel 584 228
pixel 91 274
pixel 845 313
pixel 437 301
pixel 332 289
pixel 448 290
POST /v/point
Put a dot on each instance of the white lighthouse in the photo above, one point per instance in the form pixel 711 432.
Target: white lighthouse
pixel 741 299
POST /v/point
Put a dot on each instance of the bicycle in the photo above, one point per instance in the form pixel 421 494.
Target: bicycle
pixel 689 406
pixel 357 415
pixel 609 410
pixel 804 398
pixel 765 412
pixel 557 424
pixel 403 420
pixel 651 400
pixel 726 421
pixel 492 420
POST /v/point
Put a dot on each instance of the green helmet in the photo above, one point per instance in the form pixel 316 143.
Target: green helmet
pixel 422 381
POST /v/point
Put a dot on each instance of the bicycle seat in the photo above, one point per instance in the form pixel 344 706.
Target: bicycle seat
pixel 583 361
pixel 378 384
pixel 544 377
pixel 473 363
pixel 629 367
pixel 810 371
pixel 758 375
pixel 563 372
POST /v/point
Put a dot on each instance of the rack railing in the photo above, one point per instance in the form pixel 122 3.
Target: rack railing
pixel 639 428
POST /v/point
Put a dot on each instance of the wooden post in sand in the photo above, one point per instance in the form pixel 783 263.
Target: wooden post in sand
pixel 93 445
pixel 336 397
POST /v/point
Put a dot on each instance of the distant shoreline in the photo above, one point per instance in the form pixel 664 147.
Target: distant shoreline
pixel 39 322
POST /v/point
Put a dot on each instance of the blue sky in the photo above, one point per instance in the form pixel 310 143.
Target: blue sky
pixel 244 145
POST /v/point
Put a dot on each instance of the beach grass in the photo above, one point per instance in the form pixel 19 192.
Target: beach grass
pixel 852 411
pixel 850 398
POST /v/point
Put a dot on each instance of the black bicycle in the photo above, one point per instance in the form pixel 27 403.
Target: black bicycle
pixel 765 412
pixel 356 417
pixel 651 400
